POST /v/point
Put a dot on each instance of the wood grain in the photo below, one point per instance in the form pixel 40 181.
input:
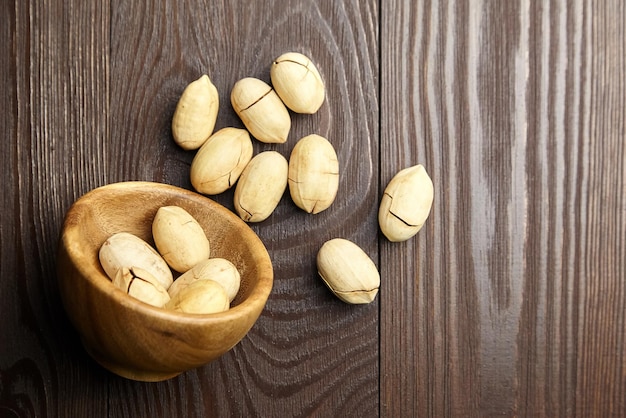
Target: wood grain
pixel 510 302
pixel 513 295
pixel 308 354
pixel 53 108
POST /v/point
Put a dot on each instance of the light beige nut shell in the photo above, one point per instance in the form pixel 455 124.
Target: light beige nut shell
pixel 348 271
pixel 141 285
pixel 195 114
pixel 200 297
pixel 217 269
pixel 313 174
pixel 179 238
pixel 261 110
pixel 406 203
pixel 125 250
pixel 220 161
pixel 298 82
pixel 261 186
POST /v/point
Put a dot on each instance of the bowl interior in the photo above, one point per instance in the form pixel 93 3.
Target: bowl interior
pixel 131 207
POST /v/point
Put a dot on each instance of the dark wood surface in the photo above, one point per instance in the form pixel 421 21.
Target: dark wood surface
pixel 510 302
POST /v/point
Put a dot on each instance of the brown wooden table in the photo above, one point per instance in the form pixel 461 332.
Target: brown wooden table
pixel 511 301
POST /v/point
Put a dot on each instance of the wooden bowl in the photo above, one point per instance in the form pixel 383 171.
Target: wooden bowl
pixel 131 338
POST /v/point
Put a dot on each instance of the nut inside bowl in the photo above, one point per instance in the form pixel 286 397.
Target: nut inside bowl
pixel 131 338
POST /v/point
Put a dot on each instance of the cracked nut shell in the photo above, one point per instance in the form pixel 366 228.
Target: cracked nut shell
pixel 297 82
pixel 141 285
pixel 261 186
pixel 348 271
pixel 406 203
pixel 179 238
pixel 220 161
pixel 261 110
pixel 217 269
pixel 313 174
pixel 124 250
pixel 195 114
pixel 200 297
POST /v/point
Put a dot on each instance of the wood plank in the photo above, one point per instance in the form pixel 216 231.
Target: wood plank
pixel 309 354
pixel 53 77
pixel 600 326
pixel 511 301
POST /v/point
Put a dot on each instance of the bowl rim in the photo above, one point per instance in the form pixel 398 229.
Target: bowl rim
pixel 252 305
